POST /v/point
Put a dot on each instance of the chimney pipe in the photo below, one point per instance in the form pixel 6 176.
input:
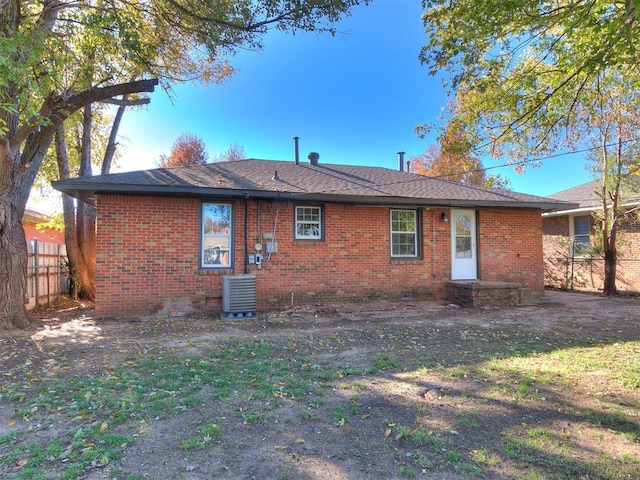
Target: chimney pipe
pixel 297 152
pixel 401 161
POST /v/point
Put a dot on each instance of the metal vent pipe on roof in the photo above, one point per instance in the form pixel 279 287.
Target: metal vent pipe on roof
pixel 297 152
pixel 401 161
pixel 313 158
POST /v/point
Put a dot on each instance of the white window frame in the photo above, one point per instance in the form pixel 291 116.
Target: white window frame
pixel 308 227
pixel 415 232
pixel 216 241
pixel 582 246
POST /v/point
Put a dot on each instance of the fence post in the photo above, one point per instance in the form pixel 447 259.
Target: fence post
pixel 61 278
pixel 36 271
pixel 48 285
pixel 573 256
pixel 59 270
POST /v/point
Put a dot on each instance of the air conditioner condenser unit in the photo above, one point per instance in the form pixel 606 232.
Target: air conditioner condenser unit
pixel 239 294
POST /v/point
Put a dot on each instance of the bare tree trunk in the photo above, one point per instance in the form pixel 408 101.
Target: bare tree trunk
pixel 13 266
pixel 610 265
pixel 111 144
pixel 85 265
pixel 86 218
pixel 17 173
pixel 80 223
pixel 82 283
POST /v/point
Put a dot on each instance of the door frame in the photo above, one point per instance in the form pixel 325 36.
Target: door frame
pixel 464 268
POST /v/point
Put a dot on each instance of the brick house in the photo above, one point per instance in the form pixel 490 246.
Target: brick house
pixel 569 233
pixel 306 232
pixel 30 221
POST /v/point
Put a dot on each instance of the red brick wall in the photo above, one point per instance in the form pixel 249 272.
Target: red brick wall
pixel 510 247
pixel 556 226
pixel 561 271
pixel 147 257
pixel 46 235
pixel 353 262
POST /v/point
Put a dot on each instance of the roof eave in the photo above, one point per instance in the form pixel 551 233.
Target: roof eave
pixel 587 209
pixel 87 192
pixel 428 202
pixel 571 211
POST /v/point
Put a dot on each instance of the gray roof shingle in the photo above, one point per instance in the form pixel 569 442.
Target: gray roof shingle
pixel 584 195
pixel 323 182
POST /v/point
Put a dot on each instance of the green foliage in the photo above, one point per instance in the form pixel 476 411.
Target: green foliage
pixel 521 70
pixel 55 47
pixel 205 435
pixel 532 78
pixel 339 415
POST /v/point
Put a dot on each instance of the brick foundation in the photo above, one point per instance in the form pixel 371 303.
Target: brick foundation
pixel 483 294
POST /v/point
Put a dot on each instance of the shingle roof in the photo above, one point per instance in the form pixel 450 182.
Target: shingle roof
pixel 584 195
pixel 253 178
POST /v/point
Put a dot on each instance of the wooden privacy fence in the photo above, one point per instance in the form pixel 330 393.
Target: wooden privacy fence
pixel 47 273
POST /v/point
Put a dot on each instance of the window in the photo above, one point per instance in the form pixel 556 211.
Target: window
pixel 404 233
pixel 581 233
pixel 217 231
pixel 463 228
pixel 308 223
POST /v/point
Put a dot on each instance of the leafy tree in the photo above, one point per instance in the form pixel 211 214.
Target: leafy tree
pixel 612 121
pixel 188 149
pixel 520 69
pixel 453 159
pixel 59 57
pixel 535 77
pixel 233 153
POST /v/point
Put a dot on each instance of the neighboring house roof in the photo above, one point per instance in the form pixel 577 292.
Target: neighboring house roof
pixel 585 197
pixel 33 216
pixel 287 180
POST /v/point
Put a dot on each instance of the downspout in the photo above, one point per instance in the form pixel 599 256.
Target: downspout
pixel 246 233
pixel 433 244
pixel 573 253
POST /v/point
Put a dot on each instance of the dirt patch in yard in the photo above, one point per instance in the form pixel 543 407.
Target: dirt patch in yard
pixel 382 390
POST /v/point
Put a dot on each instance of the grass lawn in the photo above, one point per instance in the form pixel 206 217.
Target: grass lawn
pixel 443 393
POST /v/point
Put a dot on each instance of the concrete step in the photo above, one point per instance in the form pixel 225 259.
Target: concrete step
pixel 529 297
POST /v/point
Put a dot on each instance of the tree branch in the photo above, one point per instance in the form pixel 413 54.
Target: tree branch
pixel 100 94
pixel 250 27
pixel 57 108
pixel 127 103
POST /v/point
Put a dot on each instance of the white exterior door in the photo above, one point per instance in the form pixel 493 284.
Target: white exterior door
pixel 464 262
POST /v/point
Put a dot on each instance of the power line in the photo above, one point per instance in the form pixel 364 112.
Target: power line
pixel 531 160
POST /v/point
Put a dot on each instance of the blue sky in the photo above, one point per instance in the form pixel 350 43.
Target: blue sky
pixel 354 98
